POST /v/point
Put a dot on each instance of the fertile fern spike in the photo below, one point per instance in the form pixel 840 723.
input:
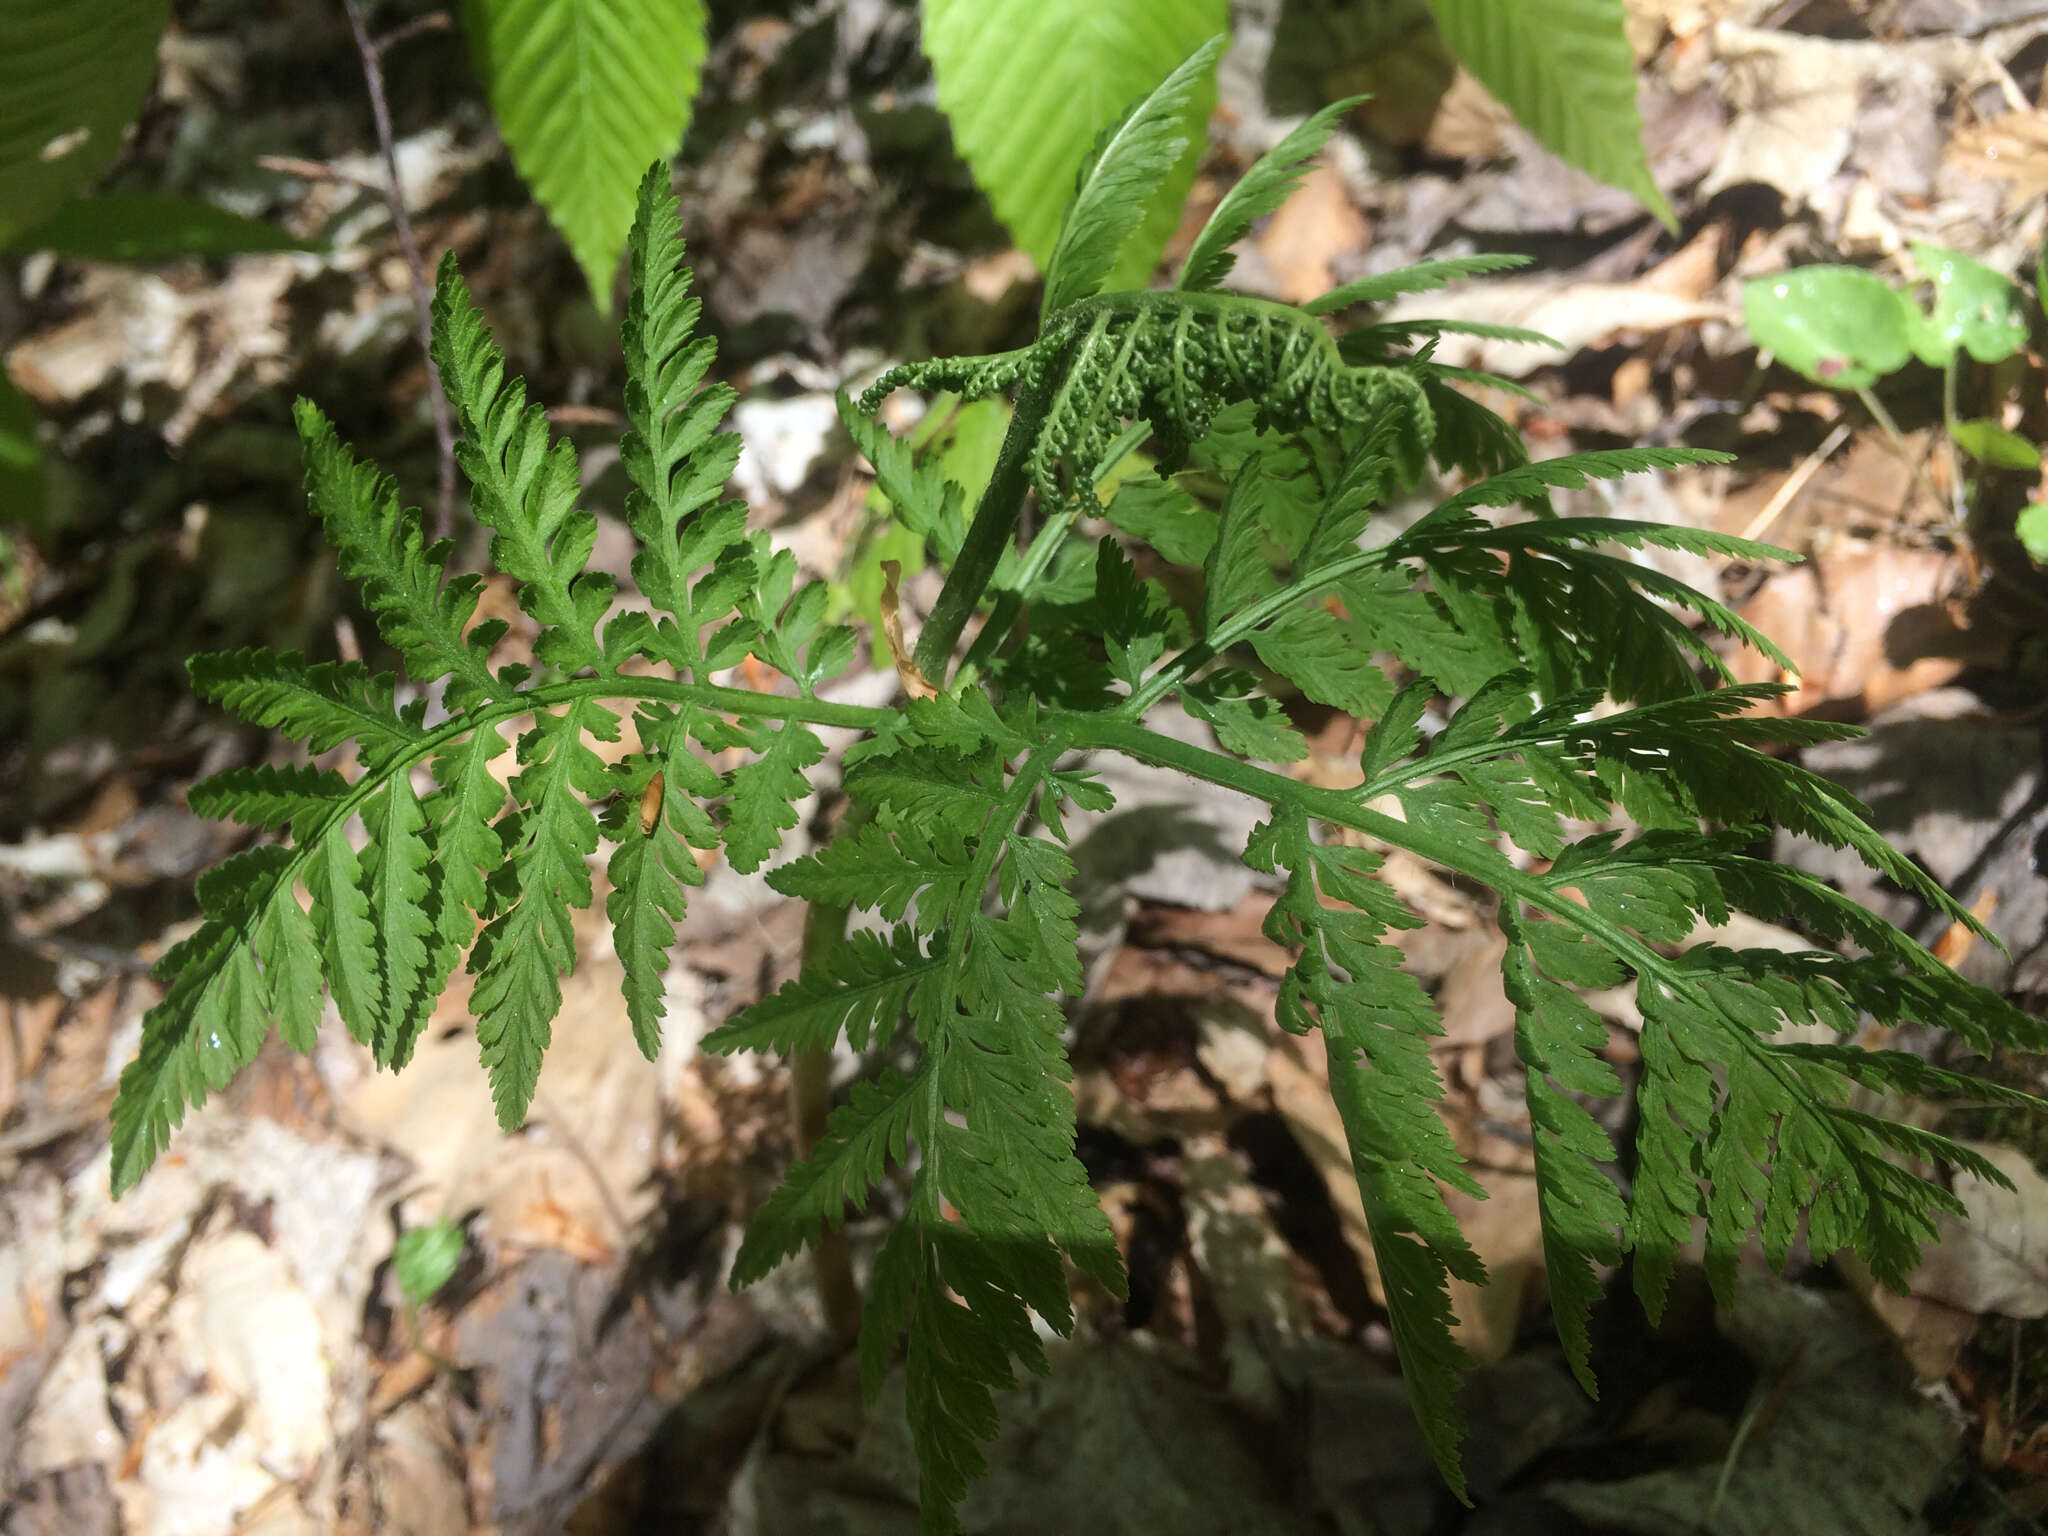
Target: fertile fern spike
pixel 1175 360
pixel 1572 692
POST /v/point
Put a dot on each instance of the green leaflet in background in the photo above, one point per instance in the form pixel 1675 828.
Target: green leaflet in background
pixel 2032 530
pixel 148 226
pixel 1029 84
pixel 1565 69
pixel 1988 443
pixel 1840 326
pixel 426 1259
pixel 1975 309
pixel 72 77
pixel 586 92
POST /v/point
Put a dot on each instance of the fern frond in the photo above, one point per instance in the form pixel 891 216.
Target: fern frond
pixel 1376 1023
pixel 920 494
pixel 1423 277
pixel 523 483
pixel 402 909
pixel 862 1136
pixel 1271 180
pixel 676 458
pixel 321 704
pixel 1116 182
pixel 530 944
pixel 301 798
pixel 425 617
pixel 863 984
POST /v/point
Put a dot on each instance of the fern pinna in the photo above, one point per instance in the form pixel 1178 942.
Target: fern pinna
pixel 1572 696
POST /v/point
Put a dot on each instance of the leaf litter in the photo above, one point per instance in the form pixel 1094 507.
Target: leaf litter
pixel 238 1355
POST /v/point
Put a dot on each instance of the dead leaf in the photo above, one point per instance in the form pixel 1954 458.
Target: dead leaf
pixel 1469 124
pixel 1575 314
pixel 1836 1398
pixel 1311 230
pixel 2012 148
pixel 915 683
pixel 1798 103
pixel 1866 626
pixel 1997 1260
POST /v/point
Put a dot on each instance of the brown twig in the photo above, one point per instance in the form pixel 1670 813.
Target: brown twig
pixel 372 52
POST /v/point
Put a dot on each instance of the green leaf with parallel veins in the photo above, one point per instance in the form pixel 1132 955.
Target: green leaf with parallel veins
pixel 148 226
pixel 586 92
pixel 1071 68
pixel 73 74
pixel 1565 69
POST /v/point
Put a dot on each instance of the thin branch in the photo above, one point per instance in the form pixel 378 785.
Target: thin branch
pixel 409 246
pixel 419 26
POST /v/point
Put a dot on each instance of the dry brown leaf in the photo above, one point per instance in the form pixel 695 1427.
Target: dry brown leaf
pixel 1997 1259
pixel 915 683
pixel 1310 231
pixel 1234 935
pixel 1575 314
pixel 2012 148
pixel 1470 124
pixel 1866 625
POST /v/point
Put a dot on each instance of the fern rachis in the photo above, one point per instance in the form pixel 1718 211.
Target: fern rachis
pixel 962 797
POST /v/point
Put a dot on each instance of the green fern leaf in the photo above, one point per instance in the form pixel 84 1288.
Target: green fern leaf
pixel 523 483
pixel 862 984
pixel 585 95
pixel 675 456
pixel 1565 70
pixel 1246 724
pixel 422 615
pixel 649 870
pixel 765 793
pixel 1377 1023
pixel 167 1075
pixel 861 1137
pixel 1558 1037
pixel 1119 177
pixel 1423 277
pixel 288 951
pixel 402 906
pixel 926 502
pixel 348 944
pixel 1260 191
pixel 321 704
pixel 301 798
pixel 525 950
pixel 1072 68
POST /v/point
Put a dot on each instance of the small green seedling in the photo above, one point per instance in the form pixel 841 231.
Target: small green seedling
pixel 1847 328
pixel 426 1259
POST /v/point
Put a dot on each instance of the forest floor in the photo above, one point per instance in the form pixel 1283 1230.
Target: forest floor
pixel 227 1350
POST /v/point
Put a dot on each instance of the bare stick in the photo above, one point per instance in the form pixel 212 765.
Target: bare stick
pixel 409 247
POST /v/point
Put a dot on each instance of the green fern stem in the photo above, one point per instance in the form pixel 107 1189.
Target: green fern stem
pixel 991 532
